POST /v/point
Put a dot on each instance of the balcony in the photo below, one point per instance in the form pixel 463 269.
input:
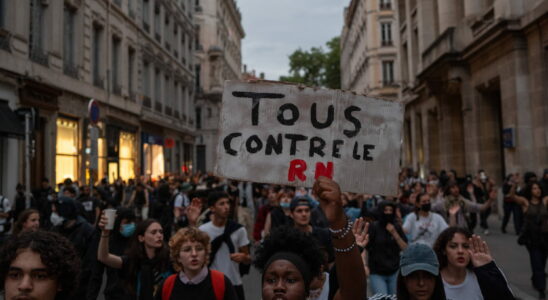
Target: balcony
pixel 443 46
pixel 147 102
pixel 117 89
pixel 70 70
pixel 39 56
pixel 168 111
pixel 387 43
pixel 146 27
pixel 158 106
pixel 5 39
pixel 199 47
pixel 98 82
pixel 198 8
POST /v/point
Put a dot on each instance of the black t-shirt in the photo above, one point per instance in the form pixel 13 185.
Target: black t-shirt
pixel 202 291
pixel 384 252
pixel 149 277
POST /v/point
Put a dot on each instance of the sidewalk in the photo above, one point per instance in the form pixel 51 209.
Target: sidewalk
pixel 511 258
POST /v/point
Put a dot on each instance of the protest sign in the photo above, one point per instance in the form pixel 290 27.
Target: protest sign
pixel 288 134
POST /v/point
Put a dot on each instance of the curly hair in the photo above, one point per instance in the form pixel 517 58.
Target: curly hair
pixel 191 234
pixel 56 252
pixel 443 239
pixel 289 239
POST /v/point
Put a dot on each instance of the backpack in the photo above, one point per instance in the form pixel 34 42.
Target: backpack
pixel 217 280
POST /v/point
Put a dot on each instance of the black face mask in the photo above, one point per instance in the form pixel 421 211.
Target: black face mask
pixel 426 207
pixel 388 218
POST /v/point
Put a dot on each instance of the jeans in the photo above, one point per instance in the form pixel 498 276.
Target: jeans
pixel 511 208
pixel 383 284
pixel 483 218
pixel 538 255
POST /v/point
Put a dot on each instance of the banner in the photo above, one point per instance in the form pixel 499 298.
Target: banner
pixel 287 134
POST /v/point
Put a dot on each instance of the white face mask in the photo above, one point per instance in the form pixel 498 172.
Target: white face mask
pixel 56 219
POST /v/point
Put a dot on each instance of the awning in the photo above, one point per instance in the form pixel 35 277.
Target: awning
pixel 10 125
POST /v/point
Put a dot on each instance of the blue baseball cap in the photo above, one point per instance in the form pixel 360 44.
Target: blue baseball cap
pixel 419 257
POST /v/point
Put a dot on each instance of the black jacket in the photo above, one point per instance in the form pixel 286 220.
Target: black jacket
pixel 114 288
pixel 492 283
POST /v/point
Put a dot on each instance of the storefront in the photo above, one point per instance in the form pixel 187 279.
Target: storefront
pixel 153 155
pixel 66 157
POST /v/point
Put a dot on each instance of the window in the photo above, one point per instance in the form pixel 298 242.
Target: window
pixel 130 68
pixel 2 13
pixel 198 73
pixel 198 117
pixel 69 64
pixel 385 4
pixel 66 159
pixel 146 15
pixel 157 23
pixel 96 55
pixel 167 33
pixel 386 34
pixel 127 155
pixel 167 92
pixel 115 63
pixel 146 84
pixel 388 73
pixel 36 38
pixel 157 90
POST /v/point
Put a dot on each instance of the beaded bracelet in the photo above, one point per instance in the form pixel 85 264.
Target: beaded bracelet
pixel 343 232
pixel 345 250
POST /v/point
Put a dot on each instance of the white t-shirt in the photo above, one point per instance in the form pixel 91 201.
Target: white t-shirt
pixel 424 230
pixel 469 289
pixel 5 207
pixel 222 261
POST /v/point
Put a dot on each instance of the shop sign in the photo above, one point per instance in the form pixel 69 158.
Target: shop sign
pixel 508 138
pixel 93 111
pixel 169 143
pixel 290 135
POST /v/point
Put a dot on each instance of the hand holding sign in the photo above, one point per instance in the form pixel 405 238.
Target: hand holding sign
pixel 329 195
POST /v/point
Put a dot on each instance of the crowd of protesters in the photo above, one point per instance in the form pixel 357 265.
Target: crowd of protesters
pixel 193 235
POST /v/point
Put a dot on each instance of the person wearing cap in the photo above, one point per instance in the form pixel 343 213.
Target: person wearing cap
pixel 78 231
pixel 300 212
pixel 419 277
pixel 467 268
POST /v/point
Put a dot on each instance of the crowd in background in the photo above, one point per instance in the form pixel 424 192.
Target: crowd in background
pixel 227 219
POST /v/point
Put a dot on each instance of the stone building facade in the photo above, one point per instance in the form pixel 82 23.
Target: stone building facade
pixel 474 76
pixel 368 49
pixel 218 58
pixel 135 57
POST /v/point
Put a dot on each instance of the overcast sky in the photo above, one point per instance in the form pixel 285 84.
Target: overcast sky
pixel 275 28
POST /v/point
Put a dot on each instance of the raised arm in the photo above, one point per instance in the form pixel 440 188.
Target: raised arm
pixel 350 269
pixel 103 255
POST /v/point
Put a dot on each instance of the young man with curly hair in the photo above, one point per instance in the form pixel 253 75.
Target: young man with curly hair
pixel 39 265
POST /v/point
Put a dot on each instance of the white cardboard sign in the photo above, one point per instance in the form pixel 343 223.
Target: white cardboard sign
pixel 287 134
